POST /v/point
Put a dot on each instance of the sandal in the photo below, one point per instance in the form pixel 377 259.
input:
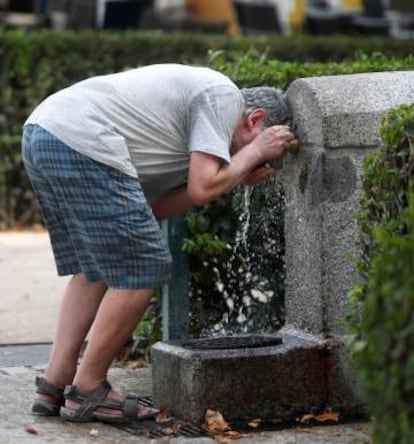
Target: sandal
pixel 46 408
pixel 90 402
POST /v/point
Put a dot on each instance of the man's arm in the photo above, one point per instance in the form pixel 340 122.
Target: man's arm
pixel 172 203
pixel 209 177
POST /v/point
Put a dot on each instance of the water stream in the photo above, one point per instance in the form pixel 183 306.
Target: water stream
pixel 251 280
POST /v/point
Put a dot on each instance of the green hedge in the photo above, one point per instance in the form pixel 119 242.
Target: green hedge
pixel 384 352
pixel 38 63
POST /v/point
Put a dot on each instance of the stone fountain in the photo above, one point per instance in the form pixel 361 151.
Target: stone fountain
pixel 304 366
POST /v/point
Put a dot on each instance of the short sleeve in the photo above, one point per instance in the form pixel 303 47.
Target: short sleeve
pixel 214 114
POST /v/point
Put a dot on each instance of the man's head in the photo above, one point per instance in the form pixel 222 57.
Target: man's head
pixel 272 100
pixel 264 106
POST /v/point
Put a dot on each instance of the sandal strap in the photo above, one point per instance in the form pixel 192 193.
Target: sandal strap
pixel 89 402
pixel 45 387
pixel 130 405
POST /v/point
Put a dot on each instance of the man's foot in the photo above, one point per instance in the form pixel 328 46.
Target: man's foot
pixel 103 404
pixel 49 398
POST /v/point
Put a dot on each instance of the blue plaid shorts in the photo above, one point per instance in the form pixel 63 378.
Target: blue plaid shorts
pixel 98 219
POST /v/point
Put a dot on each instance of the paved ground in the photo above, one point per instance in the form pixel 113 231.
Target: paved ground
pixel 30 293
pixel 17 425
pixel 30 289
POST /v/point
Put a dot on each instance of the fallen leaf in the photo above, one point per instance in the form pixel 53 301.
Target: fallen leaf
pixel 222 439
pixel 162 415
pixel 31 430
pixel 93 432
pixel 234 434
pixel 133 365
pixel 254 423
pixel 326 415
pixel 306 418
pixel 229 435
pixel 214 422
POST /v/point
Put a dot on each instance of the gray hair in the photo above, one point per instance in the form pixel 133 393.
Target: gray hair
pixel 272 100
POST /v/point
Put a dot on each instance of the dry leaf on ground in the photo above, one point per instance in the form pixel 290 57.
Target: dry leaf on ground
pixel 254 423
pixel 31 430
pixel 326 415
pixel 162 415
pixel 93 432
pixel 133 365
pixel 218 427
pixel 214 422
pixel 226 437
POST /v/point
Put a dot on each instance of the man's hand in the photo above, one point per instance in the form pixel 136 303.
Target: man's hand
pixel 260 174
pixel 275 142
pixel 210 177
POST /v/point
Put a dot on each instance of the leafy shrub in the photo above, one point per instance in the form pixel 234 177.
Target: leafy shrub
pixel 37 64
pixel 384 351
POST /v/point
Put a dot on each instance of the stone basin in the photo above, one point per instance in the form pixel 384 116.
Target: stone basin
pixel 243 377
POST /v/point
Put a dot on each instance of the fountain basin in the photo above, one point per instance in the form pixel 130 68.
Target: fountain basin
pixel 273 376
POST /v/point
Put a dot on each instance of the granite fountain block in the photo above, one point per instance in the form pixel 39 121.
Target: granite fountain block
pixel 338 120
pixel 267 382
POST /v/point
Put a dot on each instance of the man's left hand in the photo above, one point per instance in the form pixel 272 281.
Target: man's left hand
pixel 260 174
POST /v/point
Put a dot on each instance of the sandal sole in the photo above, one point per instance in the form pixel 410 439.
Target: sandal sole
pixel 44 408
pixel 73 416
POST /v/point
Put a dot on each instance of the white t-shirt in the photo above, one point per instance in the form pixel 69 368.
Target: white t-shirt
pixel 145 121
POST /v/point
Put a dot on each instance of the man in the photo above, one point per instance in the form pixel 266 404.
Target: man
pixel 107 158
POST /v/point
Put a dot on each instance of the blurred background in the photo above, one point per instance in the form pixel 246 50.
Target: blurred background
pixel 394 18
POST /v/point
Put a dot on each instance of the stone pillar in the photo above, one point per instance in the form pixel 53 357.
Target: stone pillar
pixel 338 120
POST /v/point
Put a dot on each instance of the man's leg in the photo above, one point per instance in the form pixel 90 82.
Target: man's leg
pixel 78 308
pixel 117 316
pixel 77 311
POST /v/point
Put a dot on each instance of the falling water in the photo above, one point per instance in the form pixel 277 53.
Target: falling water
pixel 244 218
pixel 250 281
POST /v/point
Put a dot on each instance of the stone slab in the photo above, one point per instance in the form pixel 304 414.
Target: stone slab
pixel 344 111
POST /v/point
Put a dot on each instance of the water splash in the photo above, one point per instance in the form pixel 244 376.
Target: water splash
pixel 244 218
pixel 250 281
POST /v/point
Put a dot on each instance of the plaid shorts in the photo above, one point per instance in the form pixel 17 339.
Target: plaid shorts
pixel 98 219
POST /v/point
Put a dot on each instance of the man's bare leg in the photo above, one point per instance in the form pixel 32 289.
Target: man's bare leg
pixel 78 308
pixel 117 316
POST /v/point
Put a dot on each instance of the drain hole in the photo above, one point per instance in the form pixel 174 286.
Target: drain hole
pixel 232 342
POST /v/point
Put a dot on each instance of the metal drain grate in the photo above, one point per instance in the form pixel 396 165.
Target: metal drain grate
pixel 152 429
pixel 232 342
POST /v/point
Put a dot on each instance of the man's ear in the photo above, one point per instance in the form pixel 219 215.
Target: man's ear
pixel 256 118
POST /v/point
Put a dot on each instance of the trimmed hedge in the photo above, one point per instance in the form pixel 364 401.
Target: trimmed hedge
pixel 37 64
pixel 384 353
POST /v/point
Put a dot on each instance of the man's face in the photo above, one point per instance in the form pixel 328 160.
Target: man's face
pixel 248 128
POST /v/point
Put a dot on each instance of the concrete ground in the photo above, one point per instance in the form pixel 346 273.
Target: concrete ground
pixel 30 290
pixel 30 293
